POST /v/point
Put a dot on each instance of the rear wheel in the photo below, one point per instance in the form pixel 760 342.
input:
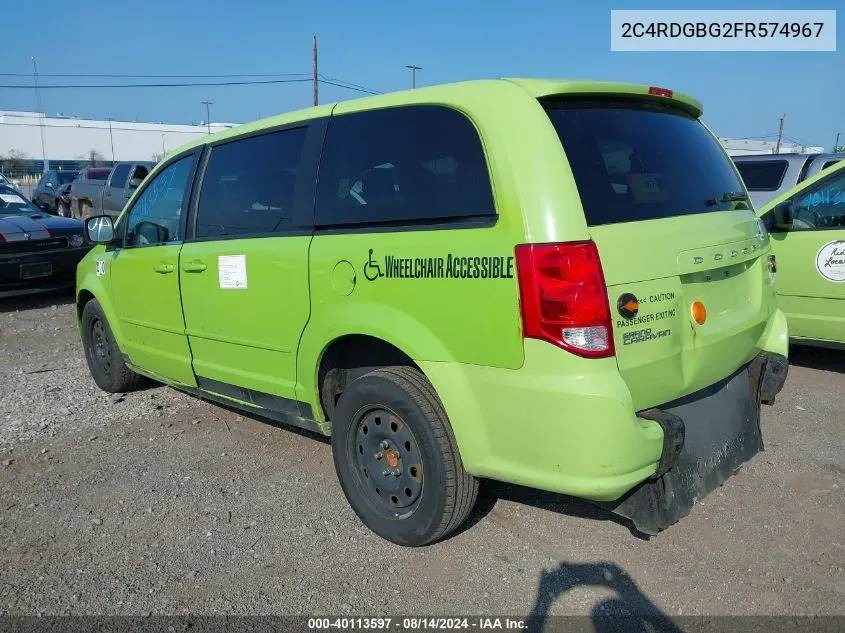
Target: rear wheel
pixel 397 459
pixel 105 362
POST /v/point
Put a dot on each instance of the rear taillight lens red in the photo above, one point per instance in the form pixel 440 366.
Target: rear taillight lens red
pixel 660 92
pixel 563 297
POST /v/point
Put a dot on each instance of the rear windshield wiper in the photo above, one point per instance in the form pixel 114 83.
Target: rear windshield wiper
pixel 728 196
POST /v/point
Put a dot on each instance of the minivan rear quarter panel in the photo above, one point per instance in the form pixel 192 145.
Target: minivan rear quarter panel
pixel 464 320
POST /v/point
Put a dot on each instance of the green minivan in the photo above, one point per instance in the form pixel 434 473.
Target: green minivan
pixel 807 226
pixel 559 284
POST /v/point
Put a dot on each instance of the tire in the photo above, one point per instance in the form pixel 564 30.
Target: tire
pixel 84 210
pixel 392 419
pixel 62 209
pixel 105 362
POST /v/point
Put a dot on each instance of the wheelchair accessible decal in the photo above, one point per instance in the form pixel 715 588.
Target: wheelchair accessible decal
pixel 830 261
pixel 449 267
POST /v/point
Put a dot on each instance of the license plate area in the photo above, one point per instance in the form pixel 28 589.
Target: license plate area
pixel 34 271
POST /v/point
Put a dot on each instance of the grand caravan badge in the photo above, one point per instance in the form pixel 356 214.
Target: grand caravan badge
pixel 452 266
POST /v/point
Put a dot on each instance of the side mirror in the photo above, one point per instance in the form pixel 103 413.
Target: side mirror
pixel 782 215
pixel 134 183
pixel 100 229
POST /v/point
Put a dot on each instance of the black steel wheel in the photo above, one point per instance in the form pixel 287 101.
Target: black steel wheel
pixel 389 461
pixel 102 354
pixel 397 459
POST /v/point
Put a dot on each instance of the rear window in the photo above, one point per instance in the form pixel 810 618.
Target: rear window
pixel 762 175
pixel 641 161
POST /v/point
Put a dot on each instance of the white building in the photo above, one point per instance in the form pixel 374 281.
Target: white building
pixel 71 139
pixel 743 146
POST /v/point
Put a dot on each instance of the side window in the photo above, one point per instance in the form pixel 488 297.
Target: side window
pixel 406 165
pixel 248 185
pixel 119 176
pixel 763 175
pixel 154 218
pixel 821 206
pixel 52 178
pixel 829 163
pixel 140 171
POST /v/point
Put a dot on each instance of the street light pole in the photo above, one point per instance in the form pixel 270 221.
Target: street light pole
pixel 414 68
pixel 836 144
pixel 40 116
pixel 208 114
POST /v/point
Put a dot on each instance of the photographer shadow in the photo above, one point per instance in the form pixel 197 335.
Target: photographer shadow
pixel 628 610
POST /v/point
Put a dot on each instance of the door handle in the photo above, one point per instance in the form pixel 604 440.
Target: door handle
pixel 163 268
pixel 194 267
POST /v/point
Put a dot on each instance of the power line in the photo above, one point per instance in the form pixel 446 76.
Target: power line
pixel 124 76
pixel 350 84
pixel 339 85
pixel 172 85
pixel 321 79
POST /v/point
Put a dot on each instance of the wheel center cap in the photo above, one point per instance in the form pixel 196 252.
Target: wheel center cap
pixel 391 457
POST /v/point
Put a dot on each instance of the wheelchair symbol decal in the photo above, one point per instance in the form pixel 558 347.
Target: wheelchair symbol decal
pixel 372 270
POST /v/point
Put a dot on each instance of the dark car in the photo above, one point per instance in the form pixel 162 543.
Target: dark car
pixel 38 252
pixel 52 193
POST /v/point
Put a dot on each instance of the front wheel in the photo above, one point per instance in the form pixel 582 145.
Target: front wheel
pixel 105 362
pixel 397 460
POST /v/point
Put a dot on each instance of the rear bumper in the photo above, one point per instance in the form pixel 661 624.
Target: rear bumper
pixel 707 437
pixel 63 271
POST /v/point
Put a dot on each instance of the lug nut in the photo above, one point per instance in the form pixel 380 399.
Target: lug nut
pixel 396 473
pixel 385 472
pixel 379 455
pixel 384 444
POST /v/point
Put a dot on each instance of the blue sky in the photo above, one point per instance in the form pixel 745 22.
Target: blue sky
pixel 369 43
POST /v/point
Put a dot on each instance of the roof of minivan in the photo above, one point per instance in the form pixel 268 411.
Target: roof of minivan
pixel 537 88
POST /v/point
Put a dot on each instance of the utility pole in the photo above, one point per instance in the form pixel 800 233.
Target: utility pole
pixel 40 116
pixel 314 72
pixel 414 68
pixel 111 138
pixel 780 134
pixel 836 144
pixel 208 105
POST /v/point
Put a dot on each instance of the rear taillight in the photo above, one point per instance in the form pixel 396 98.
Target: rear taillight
pixel 564 298
pixel 660 92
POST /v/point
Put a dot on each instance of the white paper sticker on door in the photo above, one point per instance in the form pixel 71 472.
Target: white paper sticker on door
pixel 830 261
pixel 232 271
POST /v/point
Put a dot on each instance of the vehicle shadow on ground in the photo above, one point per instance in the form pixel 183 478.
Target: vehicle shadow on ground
pixel 627 610
pixel 493 491
pixel 37 301
pixel 817 358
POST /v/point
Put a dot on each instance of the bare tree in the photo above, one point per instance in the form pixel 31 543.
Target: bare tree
pixel 14 162
pixel 94 158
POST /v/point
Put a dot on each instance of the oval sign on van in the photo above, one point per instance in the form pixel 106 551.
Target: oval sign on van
pixel 830 261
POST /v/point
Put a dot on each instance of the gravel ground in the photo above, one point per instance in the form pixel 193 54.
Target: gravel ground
pixel 156 502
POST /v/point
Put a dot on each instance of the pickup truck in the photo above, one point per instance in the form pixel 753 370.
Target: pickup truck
pixel 89 199
pixel 87 186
